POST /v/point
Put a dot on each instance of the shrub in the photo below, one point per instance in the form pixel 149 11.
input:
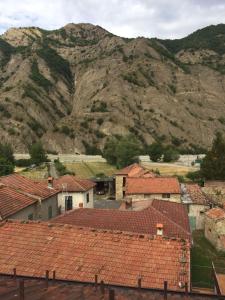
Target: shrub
pixel 23 162
pixel 5 113
pixel 99 106
pixel 100 121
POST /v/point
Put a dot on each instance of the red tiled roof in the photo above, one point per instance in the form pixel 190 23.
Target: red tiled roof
pixel 172 215
pixel 135 170
pixel 78 254
pixel 216 213
pixel 12 201
pixel 157 185
pixel 28 186
pixel 196 194
pixel 73 184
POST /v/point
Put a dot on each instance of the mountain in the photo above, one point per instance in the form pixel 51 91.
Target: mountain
pixel 76 86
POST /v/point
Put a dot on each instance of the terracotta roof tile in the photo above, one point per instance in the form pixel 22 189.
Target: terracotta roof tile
pixel 78 254
pixel 12 201
pixel 28 186
pixel 157 185
pixel 173 216
pixel 216 213
pixel 73 184
pixel 135 170
pixel 196 194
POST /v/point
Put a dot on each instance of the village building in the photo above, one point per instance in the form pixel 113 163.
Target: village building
pixel 215 227
pixel 82 254
pixel 20 190
pixel 73 192
pixel 197 203
pixel 162 188
pixel 16 205
pixel 168 219
pixel 134 170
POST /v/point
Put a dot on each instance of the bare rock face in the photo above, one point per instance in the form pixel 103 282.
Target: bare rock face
pixel 76 86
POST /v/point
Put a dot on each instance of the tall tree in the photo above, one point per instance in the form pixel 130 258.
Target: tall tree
pixel 6 159
pixel 6 151
pixel 213 165
pixel 37 153
pixel 155 151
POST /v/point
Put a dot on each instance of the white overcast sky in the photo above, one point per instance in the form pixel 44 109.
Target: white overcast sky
pixel 128 18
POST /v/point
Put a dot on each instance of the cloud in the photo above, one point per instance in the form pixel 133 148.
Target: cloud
pixel 128 18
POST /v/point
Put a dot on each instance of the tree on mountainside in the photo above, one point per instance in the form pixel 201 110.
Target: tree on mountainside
pixel 213 165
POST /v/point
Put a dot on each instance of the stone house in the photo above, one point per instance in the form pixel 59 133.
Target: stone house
pixel 215 227
pixel 162 188
pixel 73 192
pixel 197 203
pixel 134 170
pixel 19 191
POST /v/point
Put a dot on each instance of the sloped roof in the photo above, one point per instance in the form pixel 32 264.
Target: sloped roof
pixel 135 170
pixel 12 201
pixel 172 215
pixel 196 194
pixel 73 184
pixel 78 254
pixel 216 213
pixel 157 185
pixel 28 186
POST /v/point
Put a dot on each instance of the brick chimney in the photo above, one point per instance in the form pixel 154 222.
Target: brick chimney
pixel 50 182
pixel 159 229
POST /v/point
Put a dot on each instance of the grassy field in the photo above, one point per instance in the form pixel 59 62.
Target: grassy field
pixel 167 169
pixel 90 169
pixel 36 173
pixel 202 256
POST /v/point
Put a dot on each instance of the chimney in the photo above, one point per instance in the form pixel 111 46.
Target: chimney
pixel 81 205
pixel 50 182
pixel 128 203
pixel 159 229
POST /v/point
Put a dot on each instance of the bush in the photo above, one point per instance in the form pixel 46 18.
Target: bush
pixel 23 162
pixel 61 169
pixel 99 107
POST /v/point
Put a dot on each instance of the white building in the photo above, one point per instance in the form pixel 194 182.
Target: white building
pixel 74 192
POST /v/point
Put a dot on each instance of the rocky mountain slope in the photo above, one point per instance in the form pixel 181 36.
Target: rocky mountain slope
pixel 74 87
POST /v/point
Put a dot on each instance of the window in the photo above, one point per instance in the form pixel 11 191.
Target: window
pixel 166 195
pixel 124 181
pixel 147 195
pixel 30 217
pixel 50 212
pixel 87 197
pixel 68 202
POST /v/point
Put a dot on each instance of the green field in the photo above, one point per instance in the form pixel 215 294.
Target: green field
pixel 90 169
pixel 202 256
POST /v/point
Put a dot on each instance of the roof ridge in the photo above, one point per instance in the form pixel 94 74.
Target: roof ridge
pixel 178 225
pixel 92 229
